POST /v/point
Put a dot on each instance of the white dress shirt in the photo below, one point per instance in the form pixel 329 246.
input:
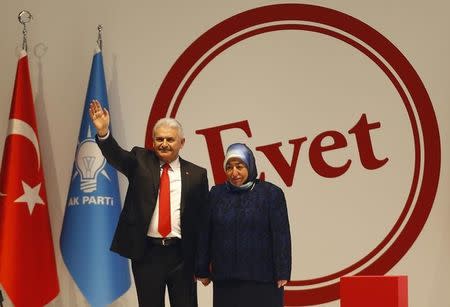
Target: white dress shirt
pixel 175 201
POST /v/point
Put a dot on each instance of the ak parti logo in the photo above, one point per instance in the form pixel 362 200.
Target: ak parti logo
pixel 357 142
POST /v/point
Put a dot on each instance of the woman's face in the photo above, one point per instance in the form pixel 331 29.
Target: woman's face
pixel 236 171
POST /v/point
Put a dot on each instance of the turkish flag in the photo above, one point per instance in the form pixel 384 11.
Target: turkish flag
pixel 27 259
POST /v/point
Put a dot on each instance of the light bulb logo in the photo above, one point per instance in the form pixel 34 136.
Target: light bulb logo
pixel 89 162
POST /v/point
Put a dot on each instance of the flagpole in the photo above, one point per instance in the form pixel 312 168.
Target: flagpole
pixel 24 18
pixel 99 37
pixel 88 226
pixel 24 214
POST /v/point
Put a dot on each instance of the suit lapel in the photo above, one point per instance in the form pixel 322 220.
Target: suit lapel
pixel 154 169
pixel 184 169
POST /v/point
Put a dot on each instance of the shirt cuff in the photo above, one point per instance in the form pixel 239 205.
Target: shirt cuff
pixel 102 138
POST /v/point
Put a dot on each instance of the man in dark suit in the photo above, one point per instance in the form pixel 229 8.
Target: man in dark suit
pixel 157 228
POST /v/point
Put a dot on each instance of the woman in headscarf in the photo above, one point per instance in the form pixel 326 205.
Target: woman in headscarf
pixel 244 243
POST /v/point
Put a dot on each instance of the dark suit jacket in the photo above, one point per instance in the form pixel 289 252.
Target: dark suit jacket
pixel 141 167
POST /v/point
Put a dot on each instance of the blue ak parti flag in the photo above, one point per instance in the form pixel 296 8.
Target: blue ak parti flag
pixel 92 210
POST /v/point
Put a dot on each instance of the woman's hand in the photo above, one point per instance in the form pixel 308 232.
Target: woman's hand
pixel 281 283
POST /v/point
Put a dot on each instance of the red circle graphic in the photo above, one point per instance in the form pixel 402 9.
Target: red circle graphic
pixel 255 22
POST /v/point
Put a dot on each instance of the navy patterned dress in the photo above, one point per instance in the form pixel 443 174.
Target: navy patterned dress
pixel 245 236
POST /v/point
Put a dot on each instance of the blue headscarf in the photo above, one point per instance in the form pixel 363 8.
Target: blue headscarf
pixel 242 152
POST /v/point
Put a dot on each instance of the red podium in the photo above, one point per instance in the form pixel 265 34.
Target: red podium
pixel 374 291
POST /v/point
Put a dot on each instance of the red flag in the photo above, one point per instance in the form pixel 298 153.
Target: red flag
pixel 27 259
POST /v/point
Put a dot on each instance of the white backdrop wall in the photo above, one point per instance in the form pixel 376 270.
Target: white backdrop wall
pixel 286 84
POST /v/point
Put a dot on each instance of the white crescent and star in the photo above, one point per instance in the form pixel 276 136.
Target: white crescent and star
pixel 31 194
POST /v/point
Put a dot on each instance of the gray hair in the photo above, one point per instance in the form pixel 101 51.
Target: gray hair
pixel 171 123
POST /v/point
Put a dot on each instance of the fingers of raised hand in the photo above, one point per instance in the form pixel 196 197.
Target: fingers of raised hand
pixel 95 109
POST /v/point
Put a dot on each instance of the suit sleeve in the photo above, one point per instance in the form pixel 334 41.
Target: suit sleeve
pixel 122 160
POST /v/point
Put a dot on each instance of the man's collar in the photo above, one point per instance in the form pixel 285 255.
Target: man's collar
pixel 173 165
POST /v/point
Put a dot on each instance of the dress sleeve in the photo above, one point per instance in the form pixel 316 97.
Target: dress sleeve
pixel 281 236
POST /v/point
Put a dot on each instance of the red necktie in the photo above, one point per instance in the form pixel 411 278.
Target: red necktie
pixel 164 202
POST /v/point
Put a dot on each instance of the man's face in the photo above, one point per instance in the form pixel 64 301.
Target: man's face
pixel 167 143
